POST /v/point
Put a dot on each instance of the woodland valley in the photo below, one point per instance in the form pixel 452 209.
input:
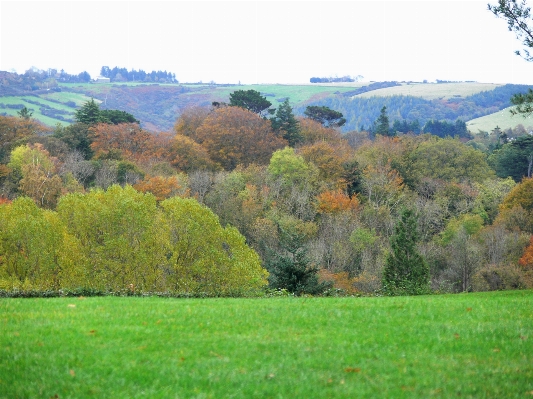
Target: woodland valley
pixel 143 184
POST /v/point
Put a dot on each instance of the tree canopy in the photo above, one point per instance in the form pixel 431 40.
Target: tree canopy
pixel 325 116
pixel 251 100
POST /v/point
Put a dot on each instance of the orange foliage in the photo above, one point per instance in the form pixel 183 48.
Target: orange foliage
pixel 187 155
pixel 16 131
pixel 4 200
pixel 526 261
pixel 519 201
pixel 130 141
pixel 341 280
pixel 191 119
pixel 336 201
pixel 313 132
pixel 161 187
pixel 234 136
pixel 328 158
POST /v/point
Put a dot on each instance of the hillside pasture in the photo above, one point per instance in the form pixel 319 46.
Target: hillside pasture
pixel 504 119
pixel 465 345
pixel 432 91
pixel 295 93
pixel 34 103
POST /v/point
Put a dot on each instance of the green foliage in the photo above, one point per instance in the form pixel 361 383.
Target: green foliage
pixel 119 240
pixel 286 125
pixel 89 113
pixel 117 117
pixel 36 252
pixel 381 125
pixel 291 168
pixel 325 116
pixel 469 224
pixel 251 100
pixel 205 257
pixel 77 137
pixel 289 266
pixel 406 272
pixel 514 159
pixel 518 16
pixel 448 159
pixel 25 113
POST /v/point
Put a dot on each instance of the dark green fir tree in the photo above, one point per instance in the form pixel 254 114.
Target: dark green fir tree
pixel 406 272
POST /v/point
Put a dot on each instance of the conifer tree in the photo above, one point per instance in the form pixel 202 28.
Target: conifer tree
pixel 286 125
pixel 382 123
pixel 406 272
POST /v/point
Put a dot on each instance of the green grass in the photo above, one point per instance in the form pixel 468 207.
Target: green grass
pixel 502 118
pixel 65 96
pixel 431 91
pixel 469 346
pixel 34 108
pixel 296 93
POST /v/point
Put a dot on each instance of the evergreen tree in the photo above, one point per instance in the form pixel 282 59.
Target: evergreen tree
pixel 251 100
pixel 382 124
pixel 25 113
pixel 286 125
pixel 290 267
pixel 406 272
pixel 325 115
pixel 89 113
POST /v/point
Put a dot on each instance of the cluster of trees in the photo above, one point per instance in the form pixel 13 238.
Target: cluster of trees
pixel 35 79
pixel 123 240
pixel 335 79
pixel 318 209
pixel 117 74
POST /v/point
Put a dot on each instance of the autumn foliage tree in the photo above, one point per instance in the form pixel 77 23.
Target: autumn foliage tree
pixel 235 136
pixel 16 131
pixel 128 141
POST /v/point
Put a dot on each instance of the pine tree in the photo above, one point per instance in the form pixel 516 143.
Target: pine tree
pixel 89 113
pixel 382 123
pixel 286 125
pixel 406 272
pixel 290 268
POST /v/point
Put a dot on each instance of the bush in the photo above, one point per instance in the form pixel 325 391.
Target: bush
pixel 499 277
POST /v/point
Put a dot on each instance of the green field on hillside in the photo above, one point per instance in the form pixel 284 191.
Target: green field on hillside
pixel 296 93
pixel 432 91
pixel 467 345
pixel 504 119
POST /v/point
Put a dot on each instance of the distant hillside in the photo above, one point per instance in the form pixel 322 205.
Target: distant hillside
pixel 158 105
pixel 503 119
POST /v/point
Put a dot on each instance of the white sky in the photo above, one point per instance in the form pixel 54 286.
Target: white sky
pixel 265 41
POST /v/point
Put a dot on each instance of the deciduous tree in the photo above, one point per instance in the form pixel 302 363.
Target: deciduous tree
pixel 235 136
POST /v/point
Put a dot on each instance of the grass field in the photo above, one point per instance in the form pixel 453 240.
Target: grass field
pixel 502 118
pixel 432 91
pixel 468 346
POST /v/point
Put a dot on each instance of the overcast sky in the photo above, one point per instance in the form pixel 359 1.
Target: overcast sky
pixel 265 41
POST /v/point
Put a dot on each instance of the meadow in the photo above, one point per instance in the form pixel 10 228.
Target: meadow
pixel 432 91
pixel 504 119
pixel 469 345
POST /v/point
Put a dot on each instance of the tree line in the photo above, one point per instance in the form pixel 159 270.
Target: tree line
pixel 117 74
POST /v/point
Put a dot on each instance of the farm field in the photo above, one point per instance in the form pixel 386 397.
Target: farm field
pixel 432 91
pixel 468 345
pixel 504 119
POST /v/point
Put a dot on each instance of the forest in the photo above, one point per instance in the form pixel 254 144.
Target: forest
pixel 242 197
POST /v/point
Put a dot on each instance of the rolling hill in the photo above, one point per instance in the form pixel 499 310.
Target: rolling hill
pixel 158 105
